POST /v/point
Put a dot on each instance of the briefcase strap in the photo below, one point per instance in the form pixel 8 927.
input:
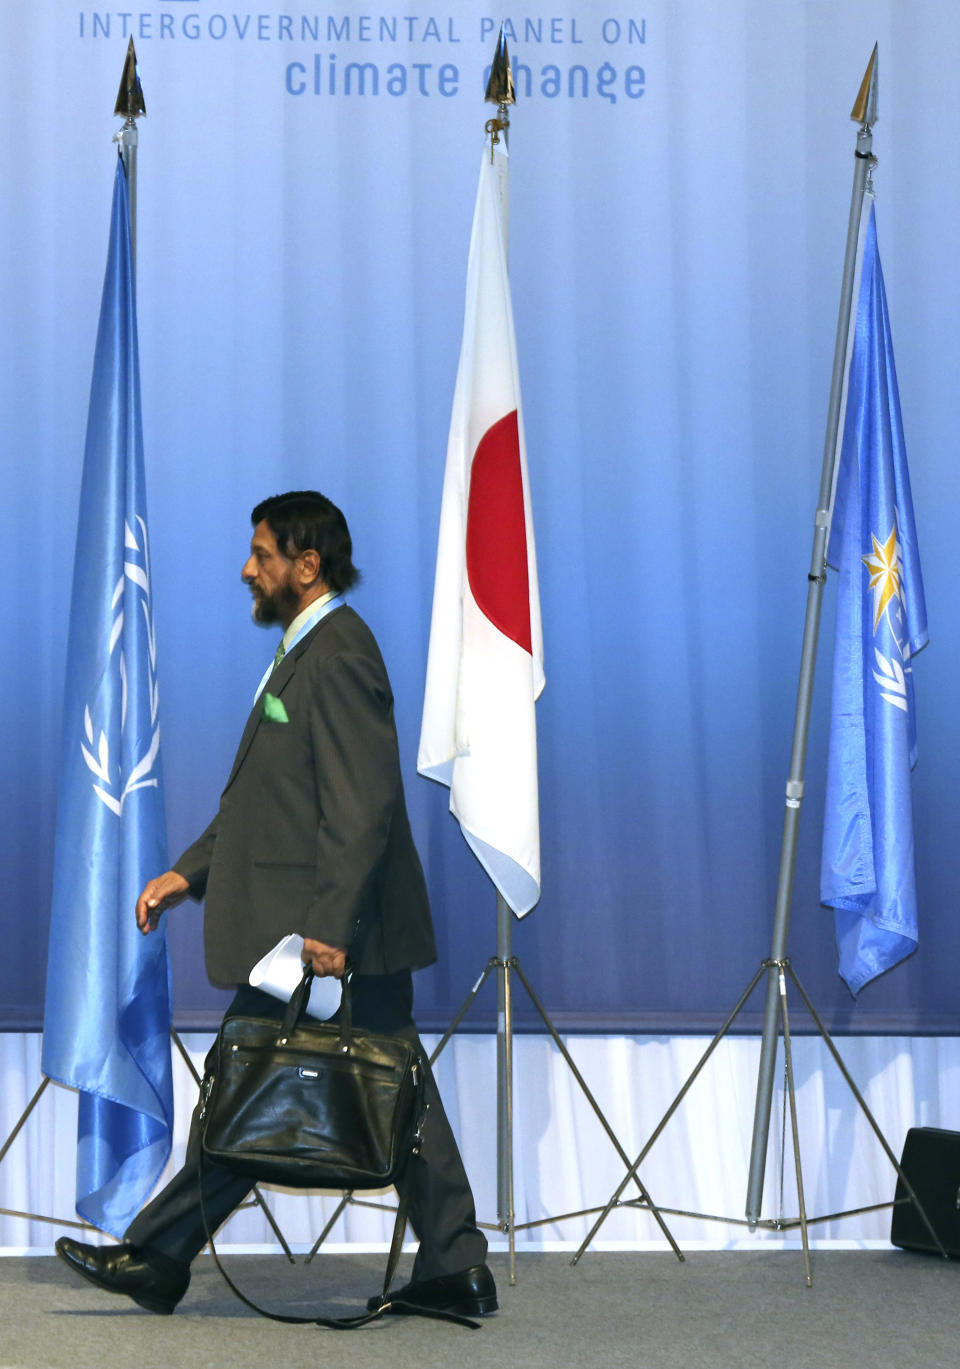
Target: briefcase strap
pixel 342 1323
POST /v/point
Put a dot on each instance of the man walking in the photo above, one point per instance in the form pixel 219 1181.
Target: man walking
pixel 312 835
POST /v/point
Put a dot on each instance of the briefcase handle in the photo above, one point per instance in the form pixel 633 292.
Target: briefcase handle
pixel 297 1006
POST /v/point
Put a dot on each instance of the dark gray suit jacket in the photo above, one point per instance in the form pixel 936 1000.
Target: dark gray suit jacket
pixel 312 835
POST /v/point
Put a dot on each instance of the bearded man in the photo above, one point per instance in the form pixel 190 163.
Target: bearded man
pixel 312 835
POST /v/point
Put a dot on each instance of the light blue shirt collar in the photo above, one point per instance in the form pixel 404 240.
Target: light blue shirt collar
pixel 304 622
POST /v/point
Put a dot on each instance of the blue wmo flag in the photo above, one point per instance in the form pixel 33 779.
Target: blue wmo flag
pixel 107 1015
pixel 867 872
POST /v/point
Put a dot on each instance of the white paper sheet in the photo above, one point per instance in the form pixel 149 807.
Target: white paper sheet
pixel 280 971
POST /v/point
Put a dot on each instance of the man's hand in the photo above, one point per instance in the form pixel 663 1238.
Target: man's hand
pixel 326 960
pixel 164 892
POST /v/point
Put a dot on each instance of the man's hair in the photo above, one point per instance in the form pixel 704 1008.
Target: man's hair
pixel 303 520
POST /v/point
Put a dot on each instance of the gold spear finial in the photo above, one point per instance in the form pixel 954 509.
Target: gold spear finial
pixel 500 92
pixel 130 102
pixel 500 86
pixel 865 106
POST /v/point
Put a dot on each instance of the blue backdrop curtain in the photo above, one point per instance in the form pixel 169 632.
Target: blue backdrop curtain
pixel 675 260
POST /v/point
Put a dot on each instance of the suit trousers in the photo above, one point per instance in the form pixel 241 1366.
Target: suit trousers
pixel 440 1203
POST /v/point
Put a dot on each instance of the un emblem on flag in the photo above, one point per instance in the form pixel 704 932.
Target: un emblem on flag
pixel 125 718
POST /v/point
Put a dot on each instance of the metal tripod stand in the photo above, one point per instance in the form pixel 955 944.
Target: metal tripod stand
pixel 256 1199
pixel 506 966
pixel 782 971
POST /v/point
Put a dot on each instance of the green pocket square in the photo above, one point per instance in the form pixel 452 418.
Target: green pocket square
pixel 273 710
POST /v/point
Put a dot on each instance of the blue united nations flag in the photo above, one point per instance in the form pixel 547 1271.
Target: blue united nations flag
pixel 107 1014
pixel 867 872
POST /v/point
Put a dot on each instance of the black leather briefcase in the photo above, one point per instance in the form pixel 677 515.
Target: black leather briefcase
pixel 312 1104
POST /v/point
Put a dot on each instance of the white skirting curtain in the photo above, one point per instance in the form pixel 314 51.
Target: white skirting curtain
pixel 564 1162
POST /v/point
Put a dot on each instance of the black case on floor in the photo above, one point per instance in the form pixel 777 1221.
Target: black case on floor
pixel 931 1161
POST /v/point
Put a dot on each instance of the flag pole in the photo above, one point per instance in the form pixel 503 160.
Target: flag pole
pixel 500 92
pixel 130 106
pixel 492 782
pixel 864 113
pixel 778 970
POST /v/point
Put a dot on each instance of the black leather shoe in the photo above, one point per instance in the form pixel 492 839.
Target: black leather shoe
pixel 471 1293
pixel 123 1269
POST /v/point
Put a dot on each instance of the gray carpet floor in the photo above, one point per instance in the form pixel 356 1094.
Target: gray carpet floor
pixel 866 1310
